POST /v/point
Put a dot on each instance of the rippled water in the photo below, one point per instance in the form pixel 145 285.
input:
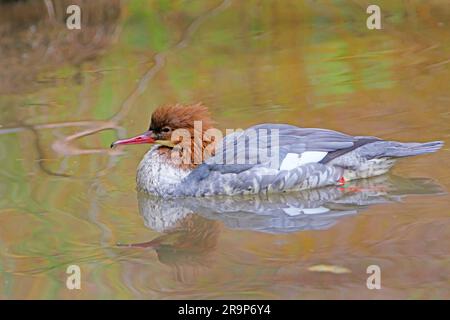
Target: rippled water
pixel 68 199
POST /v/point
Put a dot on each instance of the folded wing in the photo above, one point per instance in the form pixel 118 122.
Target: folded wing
pixel 281 146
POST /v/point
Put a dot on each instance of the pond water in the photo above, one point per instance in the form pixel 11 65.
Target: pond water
pixel 66 198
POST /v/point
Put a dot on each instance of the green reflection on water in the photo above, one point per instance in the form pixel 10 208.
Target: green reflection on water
pixel 252 61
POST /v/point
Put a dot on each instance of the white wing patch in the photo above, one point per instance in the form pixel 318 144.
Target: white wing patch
pixel 294 160
pixel 291 211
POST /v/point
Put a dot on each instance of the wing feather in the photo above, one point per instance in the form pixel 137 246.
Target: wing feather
pixel 268 144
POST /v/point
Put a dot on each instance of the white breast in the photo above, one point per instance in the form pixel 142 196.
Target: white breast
pixel 157 175
pixel 294 160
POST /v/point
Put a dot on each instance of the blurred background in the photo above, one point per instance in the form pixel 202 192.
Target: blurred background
pixel 66 198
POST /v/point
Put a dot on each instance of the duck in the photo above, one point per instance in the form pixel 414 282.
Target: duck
pixel 189 157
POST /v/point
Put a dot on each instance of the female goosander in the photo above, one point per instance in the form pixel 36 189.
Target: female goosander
pixel 190 158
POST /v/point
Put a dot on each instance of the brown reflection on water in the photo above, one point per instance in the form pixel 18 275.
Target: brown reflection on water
pixel 34 39
pixel 188 245
pixel 67 199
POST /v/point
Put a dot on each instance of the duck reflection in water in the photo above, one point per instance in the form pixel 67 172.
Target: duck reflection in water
pixel 191 226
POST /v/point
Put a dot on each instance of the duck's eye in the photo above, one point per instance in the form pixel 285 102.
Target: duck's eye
pixel 165 129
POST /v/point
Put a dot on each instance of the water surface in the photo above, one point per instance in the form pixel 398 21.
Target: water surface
pixel 66 198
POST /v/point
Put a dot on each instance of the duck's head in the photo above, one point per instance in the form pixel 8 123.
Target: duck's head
pixel 170 123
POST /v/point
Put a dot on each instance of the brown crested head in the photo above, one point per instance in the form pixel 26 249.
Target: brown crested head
pixel 181 129
pixel 168 118
pixel 168 124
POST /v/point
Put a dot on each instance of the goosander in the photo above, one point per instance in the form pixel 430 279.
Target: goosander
pixel 190 158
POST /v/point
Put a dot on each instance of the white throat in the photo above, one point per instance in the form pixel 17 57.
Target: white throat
pixel 157 175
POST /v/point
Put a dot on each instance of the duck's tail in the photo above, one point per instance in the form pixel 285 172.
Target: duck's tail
pixel 407 149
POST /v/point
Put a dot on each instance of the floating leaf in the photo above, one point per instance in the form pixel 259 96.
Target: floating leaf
pixel 329 268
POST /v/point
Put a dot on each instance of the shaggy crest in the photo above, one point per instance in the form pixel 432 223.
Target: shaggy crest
pixel 179 116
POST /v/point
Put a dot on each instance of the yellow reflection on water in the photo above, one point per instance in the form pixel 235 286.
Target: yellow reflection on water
pixel 67 199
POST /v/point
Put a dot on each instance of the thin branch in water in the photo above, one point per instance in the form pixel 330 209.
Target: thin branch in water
pixel 160 60
pixel 50 9
pixel 40 152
